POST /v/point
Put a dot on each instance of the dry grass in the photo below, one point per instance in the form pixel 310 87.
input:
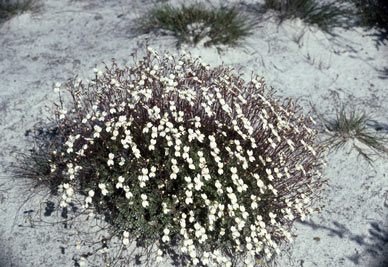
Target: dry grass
pixel 350 125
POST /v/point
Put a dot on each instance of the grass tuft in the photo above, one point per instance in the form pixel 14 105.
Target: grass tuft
pixel 195 23
pixel 9 8
pixel 36 165
pixel 325 15
pixel 351 125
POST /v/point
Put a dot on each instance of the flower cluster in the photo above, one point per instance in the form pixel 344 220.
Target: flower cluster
pixel 179 153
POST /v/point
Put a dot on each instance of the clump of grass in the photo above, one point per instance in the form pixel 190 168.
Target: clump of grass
pixel 37 164
pixel 324 15
pixel 372 12
pixel 350 126
pixel 195 23
pixel 188 159
pixel 9 8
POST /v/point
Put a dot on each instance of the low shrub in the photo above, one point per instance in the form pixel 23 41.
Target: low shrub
pixel 186 157
pixel 195 23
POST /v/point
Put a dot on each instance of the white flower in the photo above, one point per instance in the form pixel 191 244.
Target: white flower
pixel 166 231
pixel 110 161
pixel 189 193
pixel 159 257
pixel 144 171
pixel 126 234
pixel 120 183
pixel 233 170
pixel 126 240
pixel 218 184
pixel 272 216
pixel 136 152
pixel 88 200
pixel 104 191
pixel 128 195
pixel 188 197
pixel 269 173
pixel 193 253
pixel 90 195
pixel 191 165
pixel 291 145
pixel 144 203
pixel 57 87
pixel 82 262
pixel 97 128
pixel 213 145
pixel 69 192
pixel 165 237
pixel 175 169
pixel 222 232
pixel 122 161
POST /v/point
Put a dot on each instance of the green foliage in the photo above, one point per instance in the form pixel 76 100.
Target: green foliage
pixel 10 8
pixel 324 15
pixel 191 24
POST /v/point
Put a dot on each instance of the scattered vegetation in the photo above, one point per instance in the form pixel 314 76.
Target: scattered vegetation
pixel 351 126
pixel 36 164
pixel 190 159
pixel 9 8
pixel 195 23
pixel 324 15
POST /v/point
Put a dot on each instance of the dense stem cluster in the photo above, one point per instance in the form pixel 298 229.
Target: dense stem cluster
pixel 187 156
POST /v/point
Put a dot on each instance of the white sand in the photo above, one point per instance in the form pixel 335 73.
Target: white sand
pixel 68 38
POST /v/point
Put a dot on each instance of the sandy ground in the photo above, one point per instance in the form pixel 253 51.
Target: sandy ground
pixel 67 38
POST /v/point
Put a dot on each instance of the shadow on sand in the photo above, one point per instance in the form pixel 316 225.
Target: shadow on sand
pixel 6 258
pixel 375 242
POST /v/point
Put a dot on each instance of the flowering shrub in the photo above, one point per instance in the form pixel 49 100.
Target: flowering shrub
pixel 188 157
